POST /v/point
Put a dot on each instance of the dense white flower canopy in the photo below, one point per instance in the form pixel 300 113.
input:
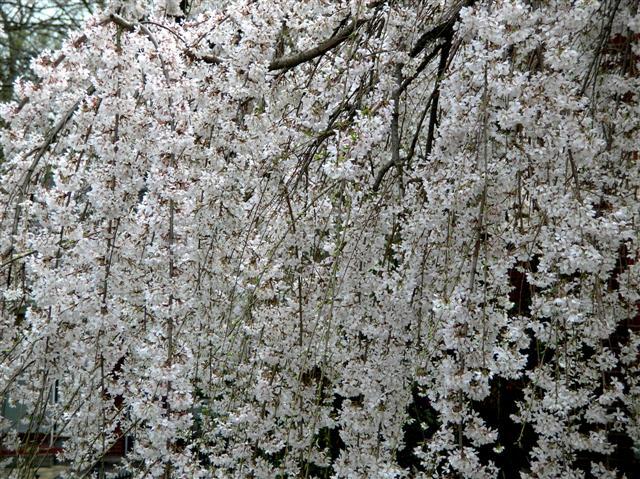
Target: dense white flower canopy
pixel 283 238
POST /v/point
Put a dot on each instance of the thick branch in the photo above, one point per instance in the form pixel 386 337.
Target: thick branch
pixel 292 61
pixel 442 30
pixel 121 22
pixel 439 31
pixel 383 171
pixel 210 59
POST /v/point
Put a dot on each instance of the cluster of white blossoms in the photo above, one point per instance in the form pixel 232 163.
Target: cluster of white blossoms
pixel 283 238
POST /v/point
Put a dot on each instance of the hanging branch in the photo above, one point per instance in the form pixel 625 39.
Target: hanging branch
pixel 433 117
pixel 432 102
pixel 39 153
pixel 395 136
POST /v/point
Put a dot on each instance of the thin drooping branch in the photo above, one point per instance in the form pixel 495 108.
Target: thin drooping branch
pixel 291 61
pixel 427 59
pixel 416 136
pixel 433 117
pixel 76 44
pixel 395 133
pixel 130 27
pixel 574 174
pixel 17 257
pixel 39 153
pixel 433 102
pixel 603 39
